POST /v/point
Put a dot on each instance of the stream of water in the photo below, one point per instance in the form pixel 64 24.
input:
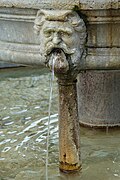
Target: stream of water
pixel 24 101
pixel 49 115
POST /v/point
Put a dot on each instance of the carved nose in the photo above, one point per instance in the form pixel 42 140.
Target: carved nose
pixel 56 39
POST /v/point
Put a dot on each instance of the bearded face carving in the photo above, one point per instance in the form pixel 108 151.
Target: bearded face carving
pixel 61 32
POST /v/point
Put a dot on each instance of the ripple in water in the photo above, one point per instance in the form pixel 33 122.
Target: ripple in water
pixel 23 136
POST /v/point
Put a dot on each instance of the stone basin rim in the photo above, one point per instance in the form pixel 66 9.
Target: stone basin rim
pixel 67 4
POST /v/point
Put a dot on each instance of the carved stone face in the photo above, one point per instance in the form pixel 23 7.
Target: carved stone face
pixel 63 32
pixel 59 35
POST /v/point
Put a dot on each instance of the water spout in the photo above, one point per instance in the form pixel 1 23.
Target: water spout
pixel 61 65
pixel 69 130
pixel 63 36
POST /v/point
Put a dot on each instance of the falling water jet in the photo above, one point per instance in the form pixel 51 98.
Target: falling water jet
pixel 49 116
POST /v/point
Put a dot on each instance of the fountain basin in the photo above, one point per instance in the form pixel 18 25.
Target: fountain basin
pixel 102 20
pixel 24 132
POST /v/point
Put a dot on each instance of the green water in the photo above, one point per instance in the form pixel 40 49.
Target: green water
pixel 24 99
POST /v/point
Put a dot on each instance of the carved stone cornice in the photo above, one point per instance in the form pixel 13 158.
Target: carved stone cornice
pixel 20 53
pixel 41 4
pixel 16 14
pixel 60 4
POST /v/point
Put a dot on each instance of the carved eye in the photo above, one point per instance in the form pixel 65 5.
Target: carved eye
pixel 62 33
pixel 65 34
pixel 68 34
pixel 47 33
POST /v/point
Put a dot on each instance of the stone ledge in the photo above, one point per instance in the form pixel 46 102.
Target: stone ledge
pixel 40 4
pixel 101 59
pixel 20 53
pixel 99 4
pixel 60 4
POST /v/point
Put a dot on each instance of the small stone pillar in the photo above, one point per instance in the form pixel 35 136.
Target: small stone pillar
pixel 69 129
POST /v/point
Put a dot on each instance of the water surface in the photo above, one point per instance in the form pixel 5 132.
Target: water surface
pixel 24 98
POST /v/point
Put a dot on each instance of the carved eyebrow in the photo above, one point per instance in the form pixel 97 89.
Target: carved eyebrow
pixel 49 29
pixel 59 29
pixel 67 30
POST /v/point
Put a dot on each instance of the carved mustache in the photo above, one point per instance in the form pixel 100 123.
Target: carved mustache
pixel 50 47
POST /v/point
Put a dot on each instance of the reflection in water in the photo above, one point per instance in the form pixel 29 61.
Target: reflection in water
pixel 23 134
